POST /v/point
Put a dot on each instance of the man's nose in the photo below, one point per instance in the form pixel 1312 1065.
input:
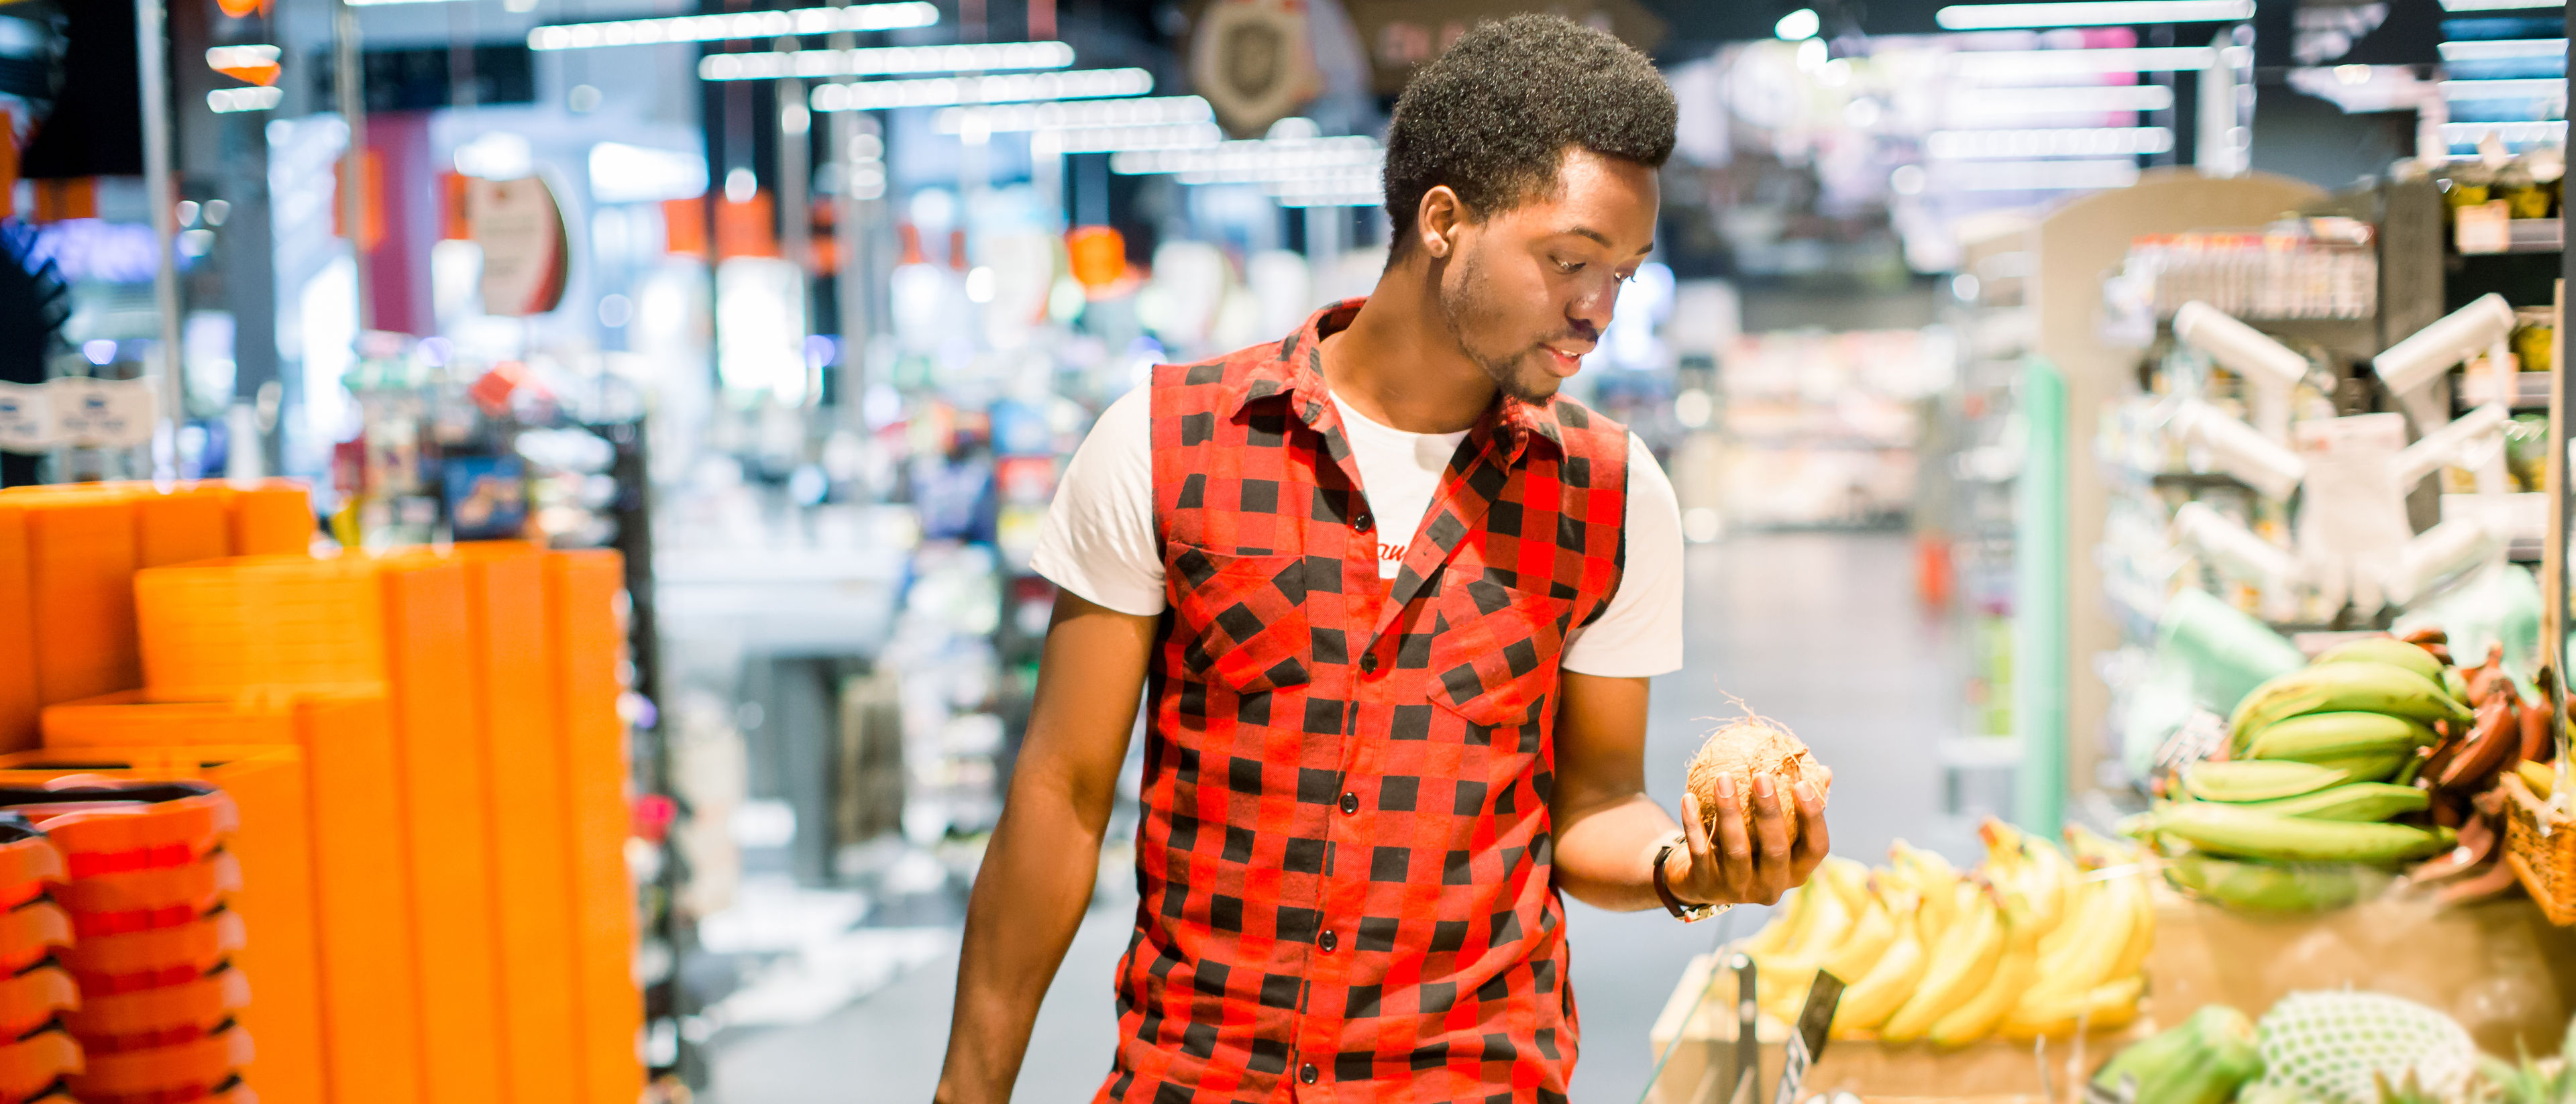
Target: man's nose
pixel 1590 311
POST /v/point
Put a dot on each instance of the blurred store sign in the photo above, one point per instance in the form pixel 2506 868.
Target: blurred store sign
pixel 1252 61
pixel 520 228
pixel 76 412
pixel 1403 34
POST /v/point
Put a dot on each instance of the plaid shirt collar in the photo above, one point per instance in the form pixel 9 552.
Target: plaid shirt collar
pixel 1295 375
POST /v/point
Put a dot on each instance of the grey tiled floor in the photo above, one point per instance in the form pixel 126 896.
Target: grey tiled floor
pixel 1820 631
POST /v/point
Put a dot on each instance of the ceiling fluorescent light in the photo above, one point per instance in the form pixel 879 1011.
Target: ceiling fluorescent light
pixel 2497 49
pixel 2090 13
pixel 2005 64
pixel 738 25
pixel 884 60
pixel 2525 88
pixel 2499 5
pixel 2080 100
pixel 2035 176
pixel 1080 84
pixel 1118 139
pixel 1962 145
pixel 2511 134
pixel 1258 160
pixel 1355 190
pixel 1144 111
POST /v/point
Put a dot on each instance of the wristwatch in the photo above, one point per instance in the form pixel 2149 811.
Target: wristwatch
pixel 1688 914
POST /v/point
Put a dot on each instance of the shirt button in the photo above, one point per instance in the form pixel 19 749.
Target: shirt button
pixel 1363 522
pixel 1368 664
pixel 1308 1073
pixel 1328 941
pixel 1350 803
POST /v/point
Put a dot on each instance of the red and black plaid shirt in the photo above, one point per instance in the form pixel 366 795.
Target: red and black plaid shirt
pixel 1344 857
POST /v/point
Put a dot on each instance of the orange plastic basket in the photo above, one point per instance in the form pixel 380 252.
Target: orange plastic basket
pixel 151 1018
pixel 80 571
pixel 510 648
pixel 188 1071
pixel 214 628
pixel 110 964
pixel 274 517
pixel 295 836
pixel 31 932
pixel 449 805
pixel 30 999
pixel 18 697
pixel 102 826
pixel 29 863
pixel 582 590
pixel 186 523
pixel 33 1064
pixel 2540 845
pixel 134 900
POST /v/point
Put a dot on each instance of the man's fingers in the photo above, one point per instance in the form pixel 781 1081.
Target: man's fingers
pixel 1735 858
pixel 1813 840
pixel 1695 833
pixel 1771 823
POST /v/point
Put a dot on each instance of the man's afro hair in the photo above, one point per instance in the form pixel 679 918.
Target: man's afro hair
pixel 1493 117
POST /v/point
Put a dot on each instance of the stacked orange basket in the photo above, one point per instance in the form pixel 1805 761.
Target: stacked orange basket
pixel 37 1055
pixel 151 938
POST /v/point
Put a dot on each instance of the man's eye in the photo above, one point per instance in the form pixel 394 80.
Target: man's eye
pixel 1569 267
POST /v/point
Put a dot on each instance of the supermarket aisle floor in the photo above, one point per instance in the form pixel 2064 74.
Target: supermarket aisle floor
pixel 1820 631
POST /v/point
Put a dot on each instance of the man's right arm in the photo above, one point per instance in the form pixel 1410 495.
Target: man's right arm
pixel 1044 857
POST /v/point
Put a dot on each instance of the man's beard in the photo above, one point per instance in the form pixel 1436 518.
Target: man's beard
pixel 1462 309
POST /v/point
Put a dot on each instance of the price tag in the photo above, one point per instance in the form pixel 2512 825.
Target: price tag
pixel 26 417
pixel 2485 228
pixel 94 413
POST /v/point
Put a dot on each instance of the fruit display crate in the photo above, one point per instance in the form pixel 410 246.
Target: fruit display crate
pixel 1695 1036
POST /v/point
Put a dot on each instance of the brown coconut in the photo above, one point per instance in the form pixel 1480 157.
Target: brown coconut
pixel 1748 746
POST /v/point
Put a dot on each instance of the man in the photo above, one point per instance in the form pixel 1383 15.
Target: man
pixel 1393 605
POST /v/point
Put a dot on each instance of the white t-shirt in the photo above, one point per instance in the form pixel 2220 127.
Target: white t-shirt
pixel 1099 539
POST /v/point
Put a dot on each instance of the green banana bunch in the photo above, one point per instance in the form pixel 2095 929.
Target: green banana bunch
pixel 2353 801
pixel 2266 887
pixel 2349 686
pixel 2384 649
pixel 2203 1061
pixel 2256 779
pixel 2326 737
pixel 2255 834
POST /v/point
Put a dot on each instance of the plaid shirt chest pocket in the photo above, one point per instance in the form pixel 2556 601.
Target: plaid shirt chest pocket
pixel 1494 650
pixel 1244 617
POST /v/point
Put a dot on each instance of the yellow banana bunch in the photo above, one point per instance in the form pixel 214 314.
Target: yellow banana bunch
pixel 2019 862
pixel 1871 934
pixel 1962 963
pixel 2089 951
pixel 1933 878
pixel 1876 994
pixel 2014 972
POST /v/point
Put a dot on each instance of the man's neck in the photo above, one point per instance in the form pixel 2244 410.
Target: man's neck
pixel 1398 364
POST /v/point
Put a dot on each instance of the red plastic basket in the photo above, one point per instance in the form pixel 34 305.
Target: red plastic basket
pixel 108 827
pixel 112 964
pixel 28 863
pixel 29 1000
pixel 137 900
pixel 151 1018
pixel 30 932
pixel 165 1075
pixel 33 1064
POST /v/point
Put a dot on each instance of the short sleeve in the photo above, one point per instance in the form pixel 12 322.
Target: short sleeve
pixel 1641 633
pixel 1099 538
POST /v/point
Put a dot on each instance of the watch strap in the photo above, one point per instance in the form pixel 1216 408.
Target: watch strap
pixel 1664 890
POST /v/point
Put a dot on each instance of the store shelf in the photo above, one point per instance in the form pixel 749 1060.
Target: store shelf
pixel 2531 236
pixel 2531 390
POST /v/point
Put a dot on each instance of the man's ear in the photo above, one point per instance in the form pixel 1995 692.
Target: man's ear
pixel 1437 222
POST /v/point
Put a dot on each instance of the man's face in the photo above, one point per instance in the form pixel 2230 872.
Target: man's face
pixel 1529 290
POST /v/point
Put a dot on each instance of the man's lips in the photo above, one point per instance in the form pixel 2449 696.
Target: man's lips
pixel 1563 363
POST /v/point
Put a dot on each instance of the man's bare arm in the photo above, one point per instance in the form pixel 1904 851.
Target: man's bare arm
pixel 1045 854
pixel 1608 830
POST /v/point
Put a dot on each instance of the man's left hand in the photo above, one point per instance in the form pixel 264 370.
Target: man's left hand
pixel 1788 841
